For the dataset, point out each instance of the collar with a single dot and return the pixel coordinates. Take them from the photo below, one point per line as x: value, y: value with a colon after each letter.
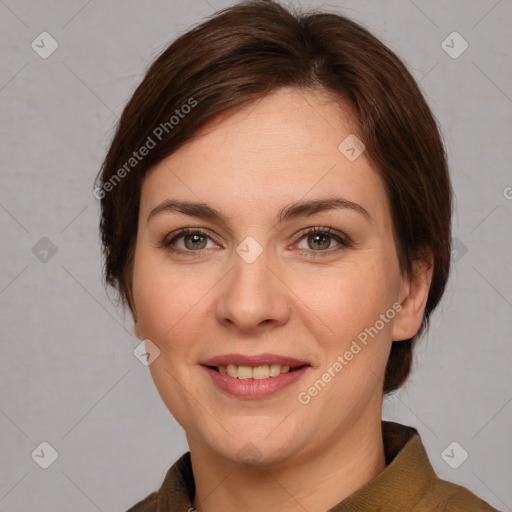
x: 408, y: 471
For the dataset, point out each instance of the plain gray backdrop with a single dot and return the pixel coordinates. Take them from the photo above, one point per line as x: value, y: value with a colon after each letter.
x: 68, y: 373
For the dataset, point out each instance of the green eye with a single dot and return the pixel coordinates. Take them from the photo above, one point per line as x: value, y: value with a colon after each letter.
x: 318, y: 241
x: 193, y: 240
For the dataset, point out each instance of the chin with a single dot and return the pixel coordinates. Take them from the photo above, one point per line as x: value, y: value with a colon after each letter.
x: 257, y: 445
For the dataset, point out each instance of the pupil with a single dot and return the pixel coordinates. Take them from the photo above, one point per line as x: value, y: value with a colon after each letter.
x: 194, y: 241
x: 317, y: 240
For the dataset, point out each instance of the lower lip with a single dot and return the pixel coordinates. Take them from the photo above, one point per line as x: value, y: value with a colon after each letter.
x: 254, y: 388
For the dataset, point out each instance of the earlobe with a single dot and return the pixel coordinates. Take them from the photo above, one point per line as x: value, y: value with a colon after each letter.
x: 137, y: 329
x: 414, y: 295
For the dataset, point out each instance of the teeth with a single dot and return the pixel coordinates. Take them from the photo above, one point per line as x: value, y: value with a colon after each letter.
x: 275, y: 370
x: 244, y: 372
x: 232, y: 370
x: 258, y: 372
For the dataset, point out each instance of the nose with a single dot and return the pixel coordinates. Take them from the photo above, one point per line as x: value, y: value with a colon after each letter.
x: 253, y: 297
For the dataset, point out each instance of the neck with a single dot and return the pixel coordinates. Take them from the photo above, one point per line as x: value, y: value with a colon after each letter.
x: 313, y: 482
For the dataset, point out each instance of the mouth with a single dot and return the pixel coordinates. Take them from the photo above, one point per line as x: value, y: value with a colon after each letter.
x: 254, y: 376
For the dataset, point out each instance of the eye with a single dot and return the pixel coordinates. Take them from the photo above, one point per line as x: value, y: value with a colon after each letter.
x: 318, y: 240
x: 186, y: 240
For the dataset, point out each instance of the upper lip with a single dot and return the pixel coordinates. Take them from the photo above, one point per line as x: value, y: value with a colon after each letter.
x: 254, y: 360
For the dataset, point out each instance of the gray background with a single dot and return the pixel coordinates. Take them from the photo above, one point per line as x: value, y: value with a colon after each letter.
x: 67, y: 369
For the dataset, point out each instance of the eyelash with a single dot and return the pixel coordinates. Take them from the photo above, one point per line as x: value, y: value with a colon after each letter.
x: 168, y: 240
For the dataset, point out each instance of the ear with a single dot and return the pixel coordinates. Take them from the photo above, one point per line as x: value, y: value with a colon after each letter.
x: 413, y: 298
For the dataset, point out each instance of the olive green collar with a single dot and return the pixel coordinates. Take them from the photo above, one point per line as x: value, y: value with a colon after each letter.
x: 402, y: 484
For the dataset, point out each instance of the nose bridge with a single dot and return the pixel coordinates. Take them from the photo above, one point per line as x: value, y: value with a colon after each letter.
x: 252, y: 294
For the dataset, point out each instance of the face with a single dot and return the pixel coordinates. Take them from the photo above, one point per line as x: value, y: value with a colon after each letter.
x: 289, y: 260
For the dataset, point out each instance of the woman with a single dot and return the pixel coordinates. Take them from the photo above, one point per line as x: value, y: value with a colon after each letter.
x: 276, y: 214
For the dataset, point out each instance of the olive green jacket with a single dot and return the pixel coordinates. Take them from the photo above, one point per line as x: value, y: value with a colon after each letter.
x: 408, y: 484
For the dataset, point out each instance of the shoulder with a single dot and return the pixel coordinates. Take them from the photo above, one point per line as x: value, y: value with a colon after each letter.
x: 412, y: 481
x: 443, y: 496
x: 176, y: 491
x: 148, y: 504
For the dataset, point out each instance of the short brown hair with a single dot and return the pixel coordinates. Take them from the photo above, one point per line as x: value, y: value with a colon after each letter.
x: 243, y: 53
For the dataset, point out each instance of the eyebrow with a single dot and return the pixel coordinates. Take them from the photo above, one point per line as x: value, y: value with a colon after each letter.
x: 290, y: 212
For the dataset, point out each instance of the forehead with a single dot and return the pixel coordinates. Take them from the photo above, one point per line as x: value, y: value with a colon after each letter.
x: 281, y: 148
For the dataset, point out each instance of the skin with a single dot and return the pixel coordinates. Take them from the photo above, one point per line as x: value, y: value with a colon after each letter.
x: 198, y: 304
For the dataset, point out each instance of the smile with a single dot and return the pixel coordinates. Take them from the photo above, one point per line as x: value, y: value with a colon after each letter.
x: 259, y: 384
x: 260, y: 372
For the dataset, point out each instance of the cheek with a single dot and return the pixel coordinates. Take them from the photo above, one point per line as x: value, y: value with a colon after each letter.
x: 170, y: 301
x: 169, y: 312
x: 342, y: 302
